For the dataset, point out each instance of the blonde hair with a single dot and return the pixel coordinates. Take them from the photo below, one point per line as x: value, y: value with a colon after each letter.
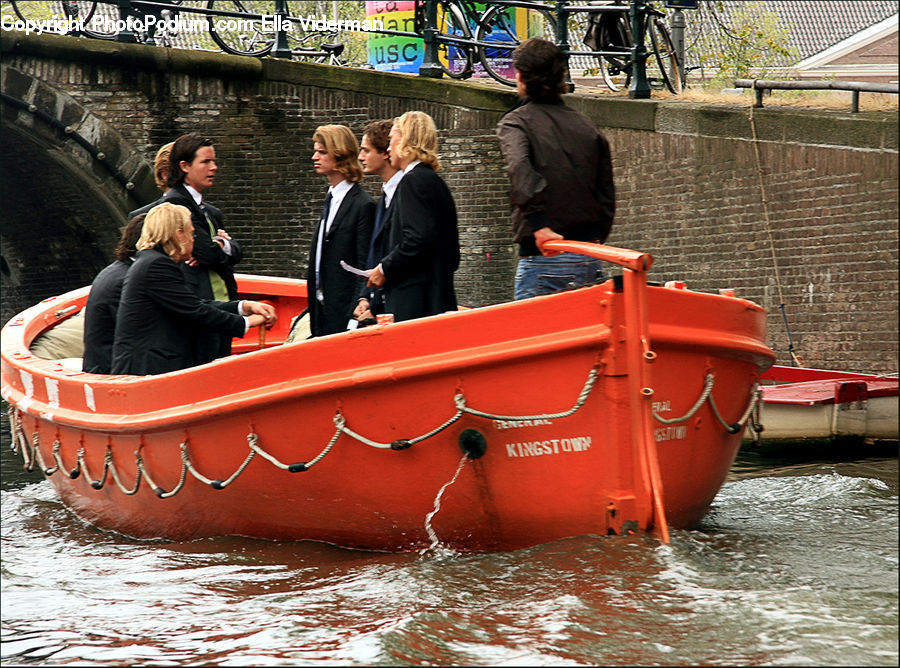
x: 159, y: 229
x: 418, y: 138
x: 161, y: 165
x: 341, y: 144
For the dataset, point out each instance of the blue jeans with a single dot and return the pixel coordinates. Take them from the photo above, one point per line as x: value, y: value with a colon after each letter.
x: 540, y: 275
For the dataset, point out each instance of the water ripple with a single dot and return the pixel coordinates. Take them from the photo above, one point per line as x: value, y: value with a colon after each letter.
x: 786, y: 570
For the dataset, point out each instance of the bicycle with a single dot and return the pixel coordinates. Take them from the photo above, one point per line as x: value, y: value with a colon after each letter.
x: 249, y: 28
x: 498, y: 30
x: 504, y: 24
x: 100, y: 20
x: 453, y: 23
x: 611, y: 32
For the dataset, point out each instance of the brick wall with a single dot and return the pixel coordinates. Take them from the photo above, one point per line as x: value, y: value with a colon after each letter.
x: 687, y: 180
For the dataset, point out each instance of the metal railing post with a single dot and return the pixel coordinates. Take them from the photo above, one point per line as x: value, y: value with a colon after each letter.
x: 640, y: 87
x: 678, y: 25
x: 126, y: 35
x: 562, y: 38
x: 281, y: 48
x: 431, y: 67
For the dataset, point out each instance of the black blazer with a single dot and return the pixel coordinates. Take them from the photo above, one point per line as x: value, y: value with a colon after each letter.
x: 210, y: 256
x: 159, y: 317
x: 144, y: 209
x: 379, y: 241
x: 422, y: 247
x: 100, y: 317
x: 207, y: 252
x: 347, y: 240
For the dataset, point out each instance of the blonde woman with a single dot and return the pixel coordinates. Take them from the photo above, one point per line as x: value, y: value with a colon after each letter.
x: 343, y: 231
x: 421, y: 249
x: 160, y: 318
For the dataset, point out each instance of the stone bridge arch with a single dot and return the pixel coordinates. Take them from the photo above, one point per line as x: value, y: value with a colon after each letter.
x: 66, y: 179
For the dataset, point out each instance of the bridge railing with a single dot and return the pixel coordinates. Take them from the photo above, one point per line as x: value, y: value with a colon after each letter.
x: 637, y: 10
x: 856, y: 87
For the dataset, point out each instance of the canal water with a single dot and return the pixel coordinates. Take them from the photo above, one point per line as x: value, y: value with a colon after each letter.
x: 796, y: 564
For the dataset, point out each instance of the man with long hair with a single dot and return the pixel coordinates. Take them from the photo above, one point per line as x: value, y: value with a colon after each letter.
x: 560, y: 174
x: 422, y: 243
x: 343, y: 231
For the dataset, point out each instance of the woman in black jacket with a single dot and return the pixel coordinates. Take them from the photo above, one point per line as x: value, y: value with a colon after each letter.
x: 159, y: 316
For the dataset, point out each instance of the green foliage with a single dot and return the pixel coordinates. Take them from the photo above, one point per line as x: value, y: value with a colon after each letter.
x: 355, y: 43
x: 748, y: 41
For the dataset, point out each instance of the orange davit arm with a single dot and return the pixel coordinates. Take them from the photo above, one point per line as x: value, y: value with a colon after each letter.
x: 637, y: 342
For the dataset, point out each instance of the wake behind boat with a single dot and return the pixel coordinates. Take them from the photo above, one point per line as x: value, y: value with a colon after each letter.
x: 604, y: 410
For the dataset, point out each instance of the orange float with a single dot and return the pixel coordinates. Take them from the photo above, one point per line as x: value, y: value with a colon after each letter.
x: 604, y: 410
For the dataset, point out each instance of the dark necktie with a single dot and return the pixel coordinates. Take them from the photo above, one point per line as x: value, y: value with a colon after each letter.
x: 216, y: 282
x: 320, y: 295
x: 326, y: 210
x: 379, y: 222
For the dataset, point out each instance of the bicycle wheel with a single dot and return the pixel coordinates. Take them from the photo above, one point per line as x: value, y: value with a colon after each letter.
x: 27, y: 10
x: 456, y: 59
x: 615, y: 36
x: 505, y: 28
x: 247, y: 35
x: 102, y: 20
x: 665, y: 62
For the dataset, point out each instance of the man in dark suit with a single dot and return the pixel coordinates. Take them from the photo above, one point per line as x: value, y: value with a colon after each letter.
x: 209, y: 271
x: 416, y: 273
x: 159, y: 316
x: 374, y: 155
x: 103, y: 302
x: 343, y: 232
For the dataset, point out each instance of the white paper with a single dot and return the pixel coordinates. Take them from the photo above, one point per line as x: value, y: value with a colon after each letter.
x: 354, y: 270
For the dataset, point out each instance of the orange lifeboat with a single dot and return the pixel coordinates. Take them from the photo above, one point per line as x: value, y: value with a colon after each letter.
x: 604, y: 410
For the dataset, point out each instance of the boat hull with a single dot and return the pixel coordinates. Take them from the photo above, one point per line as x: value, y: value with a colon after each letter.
x: 485, y: 429
x: 810, y: 406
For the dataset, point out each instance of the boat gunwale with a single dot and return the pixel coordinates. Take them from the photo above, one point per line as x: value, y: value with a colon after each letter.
x: 596, y: 335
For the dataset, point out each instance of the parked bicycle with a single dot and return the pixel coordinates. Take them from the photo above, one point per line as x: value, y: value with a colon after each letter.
x: 100, y: 20
x: 476, y: 37
x: 472, y: 40
x: 611, y: 32
x: 240, y: 27
x: 254, y: 30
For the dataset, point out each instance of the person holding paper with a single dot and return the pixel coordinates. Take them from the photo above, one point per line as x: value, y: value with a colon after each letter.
x: 422, y: 235
x: 343, y: 232
x: 374, y: 154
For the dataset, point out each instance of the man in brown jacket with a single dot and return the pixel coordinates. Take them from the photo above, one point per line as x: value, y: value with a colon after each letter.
x: 560, y: 174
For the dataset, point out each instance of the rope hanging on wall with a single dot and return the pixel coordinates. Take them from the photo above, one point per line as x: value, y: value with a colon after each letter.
x: 795, y: 359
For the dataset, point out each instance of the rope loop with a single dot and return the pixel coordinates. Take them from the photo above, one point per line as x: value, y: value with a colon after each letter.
x: 115, y: 475
x: 707, y: 392
x: 50, y: 471
x: 31, y: 453
x: 706, y: 395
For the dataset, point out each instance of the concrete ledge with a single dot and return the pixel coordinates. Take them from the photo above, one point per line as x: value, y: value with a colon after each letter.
x: 472, y: 95
x: 136, y: 56
x: 618, y: 112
